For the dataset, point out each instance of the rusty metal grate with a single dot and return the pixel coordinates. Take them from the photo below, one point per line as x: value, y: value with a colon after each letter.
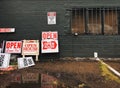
x: 94, y: 21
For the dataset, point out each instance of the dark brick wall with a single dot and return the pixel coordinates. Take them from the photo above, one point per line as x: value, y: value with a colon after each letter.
x: 29, y: 17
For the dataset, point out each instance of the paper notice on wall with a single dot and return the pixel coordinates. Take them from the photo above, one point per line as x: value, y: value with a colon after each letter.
x: 4, y: 60
x: 13, y: 46
x: 51, y: 16
x: 25, y: 62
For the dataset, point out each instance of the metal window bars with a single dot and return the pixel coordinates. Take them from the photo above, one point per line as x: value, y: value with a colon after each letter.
x: 95, y: 20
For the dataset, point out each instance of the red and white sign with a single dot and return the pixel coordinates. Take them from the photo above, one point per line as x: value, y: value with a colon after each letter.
x: 49, y: 46
x: 51, y: 18
x: 13, y: 46
x: 30, y: 47
x: 50, y: 35
x: 4, y: 30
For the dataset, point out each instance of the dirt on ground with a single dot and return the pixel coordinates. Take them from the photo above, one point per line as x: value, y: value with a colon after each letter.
x: 70, y: 73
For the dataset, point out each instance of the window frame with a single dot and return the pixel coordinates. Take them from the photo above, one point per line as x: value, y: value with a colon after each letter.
x: 102, y: 10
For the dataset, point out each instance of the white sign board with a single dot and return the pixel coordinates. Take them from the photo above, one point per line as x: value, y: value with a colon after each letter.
x: 51, y: 16
x: 49, y: 46
x: 13, y: 46
x: 4, y: 30
x: 30, y: 77
x: 49, y: 42
x: 25, y: 62
x: 30, y: 47
x: 4, y: 60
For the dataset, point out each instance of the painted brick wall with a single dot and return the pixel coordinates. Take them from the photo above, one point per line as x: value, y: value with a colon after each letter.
x: 29, y: 17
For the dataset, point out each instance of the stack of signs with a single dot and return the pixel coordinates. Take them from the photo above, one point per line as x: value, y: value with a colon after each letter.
x: 30, y: 77
x: 25, y: 62
x: 4, y: 60
x: 48, y: 81
x: 49, y: 43
x: 13, y: 46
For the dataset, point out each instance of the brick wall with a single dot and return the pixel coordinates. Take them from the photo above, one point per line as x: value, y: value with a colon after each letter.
x: 29, y: 17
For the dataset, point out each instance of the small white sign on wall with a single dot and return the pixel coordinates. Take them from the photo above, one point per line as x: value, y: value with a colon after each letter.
x: 51, y: 17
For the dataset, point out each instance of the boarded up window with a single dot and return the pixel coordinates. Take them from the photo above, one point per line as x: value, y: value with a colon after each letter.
x: 94, y: 20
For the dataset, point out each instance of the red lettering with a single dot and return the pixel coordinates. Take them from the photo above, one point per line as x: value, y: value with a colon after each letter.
x: 44, y: 36
x: 49, y: 35
x: 13, y: 44
x: 19, y: 45
x: 49, y: 45
x: 55, y: 36
x: 45, y: 45
x: 7, y: 45
x: 53, y: 44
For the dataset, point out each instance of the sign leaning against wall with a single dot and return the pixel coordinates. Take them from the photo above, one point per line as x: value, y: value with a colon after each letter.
x: 4, y: 60
x: 49, y: 42
x: 13, y: 46
x: 30, y: 47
